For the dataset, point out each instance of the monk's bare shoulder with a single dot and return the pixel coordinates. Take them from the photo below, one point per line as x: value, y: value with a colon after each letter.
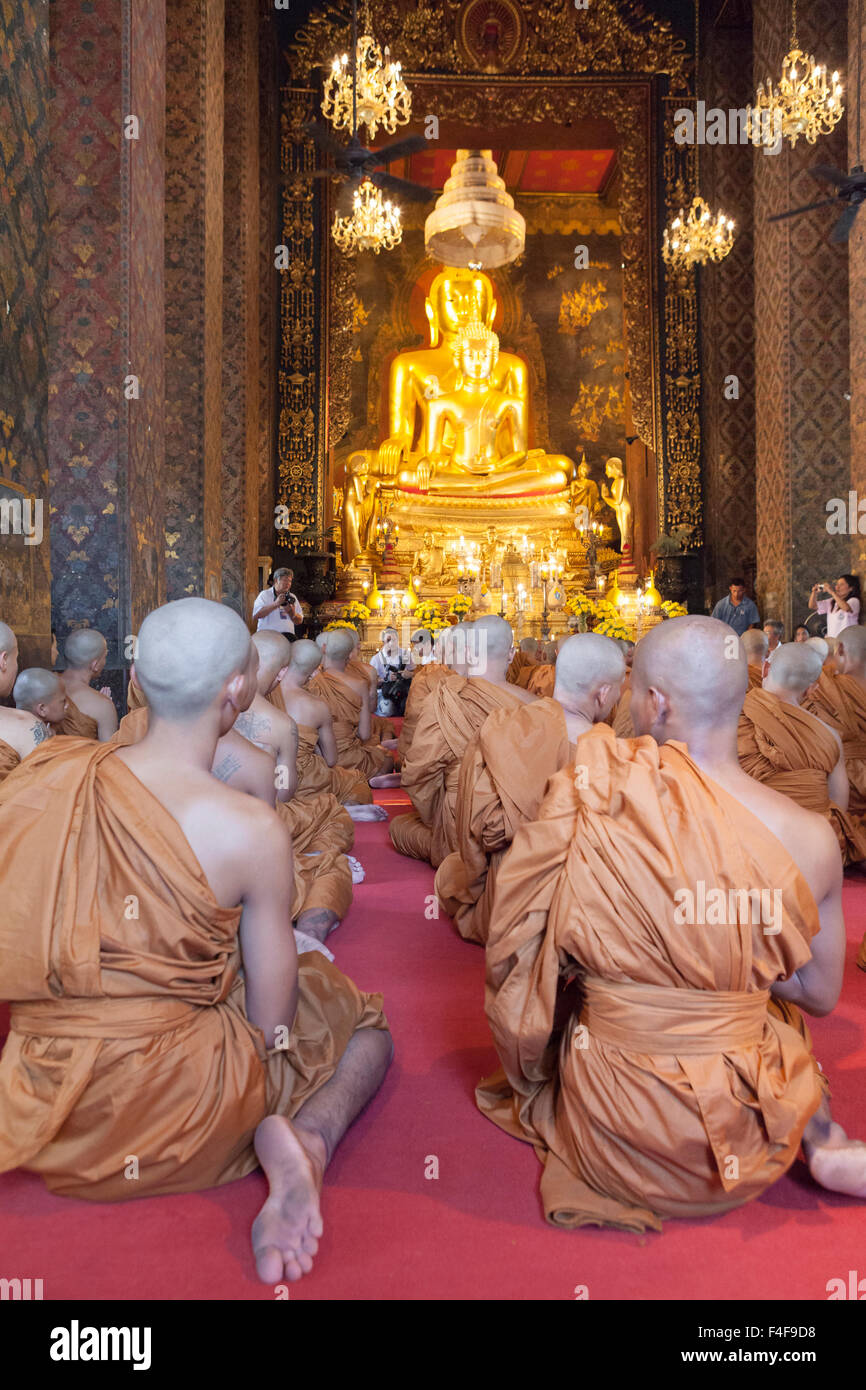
x: 22, y: 730
x: 807, y: 836
x: 245, y: 766
x: 829, y: 729
x: 91, y: 701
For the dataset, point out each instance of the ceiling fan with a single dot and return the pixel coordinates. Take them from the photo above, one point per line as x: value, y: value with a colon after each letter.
x: 851, y: 187
x: 354, y: 162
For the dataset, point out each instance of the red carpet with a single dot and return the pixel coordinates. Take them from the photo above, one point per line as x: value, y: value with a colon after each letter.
x: 476, y: 1232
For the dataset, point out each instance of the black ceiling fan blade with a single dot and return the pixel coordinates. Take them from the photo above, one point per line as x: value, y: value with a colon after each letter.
x: 401, y: 188
x: 401, y: 149
x: 827, y: 172
x: 323, y: 136
x: 842, y: 229
x: 795, y: 212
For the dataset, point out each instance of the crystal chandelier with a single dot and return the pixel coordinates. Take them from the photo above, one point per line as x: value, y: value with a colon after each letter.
x: 696, y: 237
x: 373, y: 226
x: 383, y: 99
x: 805, y: 101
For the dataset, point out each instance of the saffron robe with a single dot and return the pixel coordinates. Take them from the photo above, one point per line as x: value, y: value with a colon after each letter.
x: 449, y: 720
x: 77, y: 724
x: 423, y: 681
x: 128, y: 1032
x: 623, y: 725
x: 9, y: 759
x: 518, y: 662
x: 345, y: 706
x: 135, y: 696
x: 674, y: 1062
x: 841, y: 702
x: 525, y: 674
x: 756, y: 677
x: 542, y: 681
x: 503, y: 778
x: 314, y: 775
x: 792, y: 751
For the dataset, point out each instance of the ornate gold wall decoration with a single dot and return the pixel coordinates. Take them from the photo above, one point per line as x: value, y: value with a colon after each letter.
x: 578, y: 308
x: 491, y: 34
x: 341, y: 329
x: 594, y: 404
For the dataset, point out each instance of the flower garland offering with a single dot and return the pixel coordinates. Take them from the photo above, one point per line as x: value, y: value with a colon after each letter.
x: 674, y: 610
x: 338, y: 622
x: 460, y: 605
x: 356, y: 612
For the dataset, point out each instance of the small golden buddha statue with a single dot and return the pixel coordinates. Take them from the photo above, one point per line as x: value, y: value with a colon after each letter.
x: 585, y: 497
x: 429, y: 562
x: 458, y: 414
x: 618, y: 499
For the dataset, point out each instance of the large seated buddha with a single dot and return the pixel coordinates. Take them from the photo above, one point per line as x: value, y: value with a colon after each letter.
x: 458, y: 419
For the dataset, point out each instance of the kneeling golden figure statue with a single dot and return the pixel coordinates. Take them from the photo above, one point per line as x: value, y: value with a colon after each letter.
x: 458, y: 418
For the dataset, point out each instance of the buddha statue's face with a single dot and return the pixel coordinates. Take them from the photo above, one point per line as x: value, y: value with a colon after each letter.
x: 583, y: 470
x: 478, y: 358
x: 457, y: 297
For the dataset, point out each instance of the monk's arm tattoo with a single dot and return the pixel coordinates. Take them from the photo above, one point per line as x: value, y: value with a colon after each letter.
x: 40, y: 733
x: 226, y: 768
x: 253, y: 726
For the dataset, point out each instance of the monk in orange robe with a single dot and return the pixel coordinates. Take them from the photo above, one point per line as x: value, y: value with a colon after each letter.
x: 383, y: 729
x: 450, y: 718
x: 157, y: 883
x: 664, y: 886
x: 525, y: 658
x: 793, y: 751
x: 91, y: 714
x: 506, y: 769
x: 542, y: 680
x: 429, y: 670
x: 755, y: 643
x: 347, y: 698
x: 134, y: 696
x: 21, y: 731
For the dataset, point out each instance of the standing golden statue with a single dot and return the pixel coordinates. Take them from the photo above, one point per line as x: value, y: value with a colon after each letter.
x: 618, y: 499
x: 458, y: 415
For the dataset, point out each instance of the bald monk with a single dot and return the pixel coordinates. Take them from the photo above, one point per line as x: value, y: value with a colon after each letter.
x: 90, y: 714
x: 215, y: 1073
x: 431, y: 666
x: 21, y: 731
x: 755, y: 643
x: 525, y: 658
x: 450, y: 718
x: 542, y: 680
x: 840, y: 700
x: 795, y: 752
x: 506, y: 769
x: 383, y: 729
x: 674, y: 1063
x: 318, y: 770
x: 347, y: 698
x: 40, y: 693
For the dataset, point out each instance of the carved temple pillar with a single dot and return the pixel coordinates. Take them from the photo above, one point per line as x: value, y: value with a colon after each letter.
x: 195, y: 34
x: 856, y: 67
x: 801, y: 313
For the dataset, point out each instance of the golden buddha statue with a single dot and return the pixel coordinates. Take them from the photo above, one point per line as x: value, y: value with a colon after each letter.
x: 618, y: 499
x: 584, y: 495
x: 458, y: 417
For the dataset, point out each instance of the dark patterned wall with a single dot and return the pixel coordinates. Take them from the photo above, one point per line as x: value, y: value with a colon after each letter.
x: 801, y: 302
x: 240, y: 309
x: 193, y: 296
x: 24, y: 149
x: 268, y: 160
x: 857, y: 273
x: 728, y: 325
x: 87, y: 444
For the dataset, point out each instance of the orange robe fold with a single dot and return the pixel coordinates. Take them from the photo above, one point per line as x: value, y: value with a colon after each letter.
x: 792, y: 751
x: 525, y: 674
x: 128, y: 1032
x: 345, y: 706
x: 423, y: 681
x: 756, y: 677
x: 841, y: 702
x: 503, y: 777
x: 621, y: 720
x: 314, y: 775
x: 135, y: 696
x: 542, y: 681
x: 674, y: 1063
x: 450, y: 718
x: 516, y: 665
x: 76, y: 724
x: 9, y: 760
x: 382, y: 726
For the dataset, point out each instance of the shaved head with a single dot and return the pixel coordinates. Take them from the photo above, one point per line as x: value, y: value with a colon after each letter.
x: 852, y: 641
x: 8, y: 640
x: 551, y: 651
x: 36, y: 686
x: 818, y: 645
x: 274, y: 653
x: 187, y: 652
x: 497, y: 635
x: 84, y: 646
x: 529, y: 645
x: 689, y: 674
x: 755, y: 645
x: 339, y: 643
x: 795, y: 666
x: 589, y: 665
x: 8, y: 658
x: 306, y: 656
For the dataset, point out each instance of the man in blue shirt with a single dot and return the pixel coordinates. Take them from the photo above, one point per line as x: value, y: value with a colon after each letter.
x: 738, y: 611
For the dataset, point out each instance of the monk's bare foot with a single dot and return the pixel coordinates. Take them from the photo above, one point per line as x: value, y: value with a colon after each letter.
x: 359, y: 873
x: 387, y: 779
x: 837, y: 1162
x: 286, y: 1231
x: 367, y: 812
x: 318, y: 922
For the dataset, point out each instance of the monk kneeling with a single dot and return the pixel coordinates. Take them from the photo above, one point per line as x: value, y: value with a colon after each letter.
x: 678, y: 894
x: 21, y: 731
x: 90, y: 714
x: 131, y: 988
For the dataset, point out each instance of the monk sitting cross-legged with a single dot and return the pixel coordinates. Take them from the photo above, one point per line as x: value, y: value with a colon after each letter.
x: 347, y: 697
x: 318, y: 769
x: 450, y: 718
x: 793, y: 751
x: 90, y: 714
x: 506, y: 769
x: 525, y: 659
x: 429, y: 667
x: 131, y: 1029
x: 681, y: 894
x: 755, y: 643
x: 21, y: 731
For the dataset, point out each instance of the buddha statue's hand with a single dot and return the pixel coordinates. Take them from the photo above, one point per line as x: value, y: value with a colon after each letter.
x: 390, y: 456
x: 422, y: 475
